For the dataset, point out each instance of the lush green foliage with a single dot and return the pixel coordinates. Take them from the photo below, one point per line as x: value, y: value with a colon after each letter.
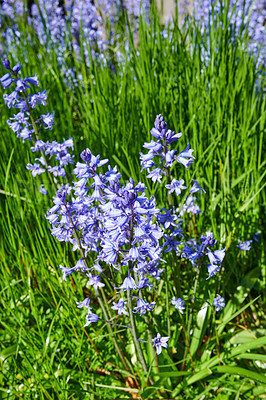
x: 45, y: 351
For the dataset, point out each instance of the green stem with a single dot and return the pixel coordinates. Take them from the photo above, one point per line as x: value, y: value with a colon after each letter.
x: 99, y: 297
x: 192, y: 311
x: 135, y: 335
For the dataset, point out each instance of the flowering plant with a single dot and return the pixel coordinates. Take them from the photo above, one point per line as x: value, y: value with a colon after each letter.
x: 135, y: 246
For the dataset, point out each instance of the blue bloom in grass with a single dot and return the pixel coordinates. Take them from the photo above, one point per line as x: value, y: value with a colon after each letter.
x: 216, y: 256
x: 179, y: 304
x: 196, y: 187
x: 213, y: 269
x: 66, y: 271
x: 156, y: 175
x: 6, y: 81
x: 42, y: 190
x: 245, y: 246
x: 186, y: 157
x: 176, y: 186
x: 143, y: 306
x: 120, y: 307
x: 84, y: 303
x: 48, y: 120
x: 160, y: 342
x: 6, y: 63
x: 128, y: 283
x: 218, y: 302
x: 189, y: 206
x: 94, y: 280
x: 91, y: 318
x: 35, y: 169
x: 208, y: 240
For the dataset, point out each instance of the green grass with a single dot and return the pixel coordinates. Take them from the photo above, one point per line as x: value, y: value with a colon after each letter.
x: 45, y: 352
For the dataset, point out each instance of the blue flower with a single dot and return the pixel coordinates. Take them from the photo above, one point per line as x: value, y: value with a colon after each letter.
x: 245, y: 246
x: 48, y: 120
x: 143, y: 306
x: 35, y: 169
x: 95, y: 281
x: 196, y: 187
x: 120, y: 307
x: 6, y: 63
x: 213, y: 269
x: 179, y: 304
x: 42, y: 190
x: 84, y: 303
x: 160, y: 342
x: 90, y: 317
x: 128, y: 283
x: 218, y: 302
x: 176, y: 186
x: 6, y: 80
x: 186, y: 157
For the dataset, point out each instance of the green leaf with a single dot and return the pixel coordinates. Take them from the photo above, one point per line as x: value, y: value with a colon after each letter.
x: 200, y: 328
x: 246, y: 373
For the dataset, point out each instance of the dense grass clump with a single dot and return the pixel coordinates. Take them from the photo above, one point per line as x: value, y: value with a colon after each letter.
x: 210, y: 88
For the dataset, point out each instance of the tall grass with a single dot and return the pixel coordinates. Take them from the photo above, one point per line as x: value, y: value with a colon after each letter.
x: 45, y: 351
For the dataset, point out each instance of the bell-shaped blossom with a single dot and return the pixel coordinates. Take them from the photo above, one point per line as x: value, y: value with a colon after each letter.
x: 176, y: 186
x: 143, y: 306
x: 159, y: 342
x: 120, y: 307
x: 178, y: 304
x: 218, y: 302
x: 245, y: 246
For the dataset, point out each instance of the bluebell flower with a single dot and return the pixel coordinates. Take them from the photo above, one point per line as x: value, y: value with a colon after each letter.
x: 90, y: 317
x: 11, y: 99
x: 218, y: 302
x: 48, y: 120
x: 6, y: 63
x: 196, y: 187
x: 176, y: 186
x: 66, y: 271
x: 156, y: 175
x: 143, y: 306
x: 167, y: 219
x: 153, y: 146
x: 84, y: 303
x: 186, y: 157
x: 120, y: 306
x: 245, y: 246
x: 213, y: 269
x: 35, y: 169
x: 160, y: 342
x: 38, y: 98
x: 144, y: 283
x: 42, y: 190
x: 190, y: 205
x: 216, y: 256
x: 128, y: 283
x: 6, y: 81
x: 208, y: 240
x: 179, y: 304
x: 95, y: 281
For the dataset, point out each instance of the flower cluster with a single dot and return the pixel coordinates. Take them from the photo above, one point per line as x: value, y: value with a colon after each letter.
x: 24, y: 125
x: 117, y: 223
x: 243, y: 16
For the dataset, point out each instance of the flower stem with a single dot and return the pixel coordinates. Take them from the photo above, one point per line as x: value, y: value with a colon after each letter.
x: 135, y: 335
